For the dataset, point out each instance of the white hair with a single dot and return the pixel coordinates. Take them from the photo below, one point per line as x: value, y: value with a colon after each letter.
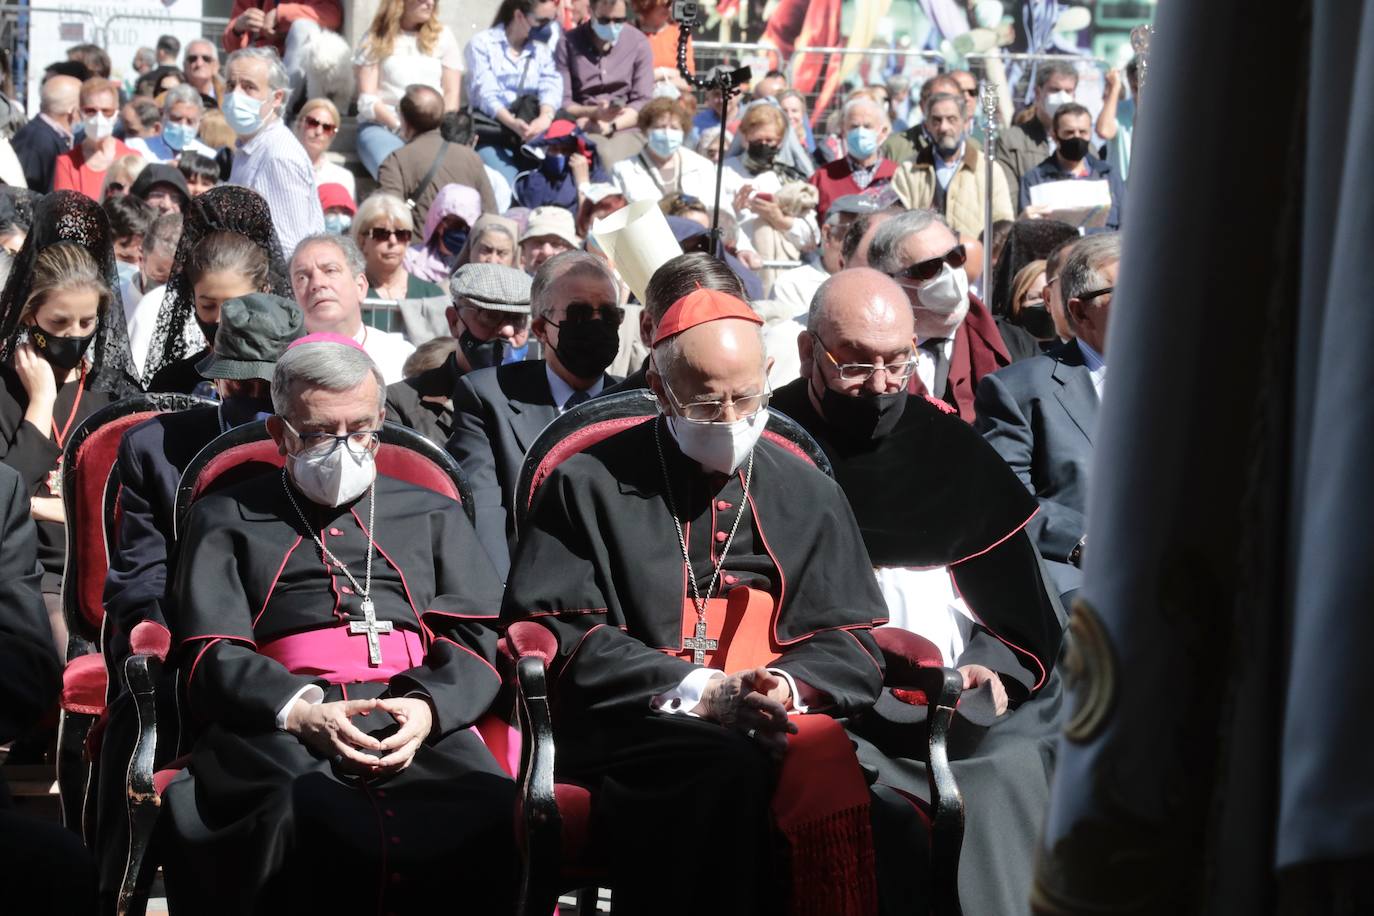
x: 276, y: 72
x: 1082, y: 272
x: 854, y: 103
x: 885, y: 251
x: 184, y: 94
x: 323, y: 364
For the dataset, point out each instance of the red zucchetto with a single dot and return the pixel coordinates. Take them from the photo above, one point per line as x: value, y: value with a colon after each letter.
x: 700, y: 306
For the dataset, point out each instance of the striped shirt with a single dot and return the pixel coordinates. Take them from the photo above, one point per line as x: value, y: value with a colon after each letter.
x: 274, y: 164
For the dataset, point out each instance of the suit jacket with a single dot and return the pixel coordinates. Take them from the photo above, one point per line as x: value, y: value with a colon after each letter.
x: 402, y: 172
x: 1040, y: 415
x: 33, y: 676
x: 38, y: 145
x: 497, y: 415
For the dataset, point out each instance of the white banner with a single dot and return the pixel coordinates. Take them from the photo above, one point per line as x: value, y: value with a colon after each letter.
x: 121, y: 28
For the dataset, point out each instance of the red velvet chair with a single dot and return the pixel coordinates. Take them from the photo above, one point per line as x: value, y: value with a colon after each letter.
x: 554, y: 840
x: 90, y: 496
x: 238, y: 455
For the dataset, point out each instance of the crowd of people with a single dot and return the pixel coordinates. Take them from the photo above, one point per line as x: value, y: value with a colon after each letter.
x: 199, y: 230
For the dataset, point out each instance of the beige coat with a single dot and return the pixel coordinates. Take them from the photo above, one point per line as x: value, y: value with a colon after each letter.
x: 915, y: 185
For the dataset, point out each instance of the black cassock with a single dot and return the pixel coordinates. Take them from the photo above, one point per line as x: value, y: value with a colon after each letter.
x: 260, y: 822
x: 933, y: 493
x: 600, y: 565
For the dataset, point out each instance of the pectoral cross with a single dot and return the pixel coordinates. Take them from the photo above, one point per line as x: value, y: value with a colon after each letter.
x: 371, y: 626
x: 699, y: 644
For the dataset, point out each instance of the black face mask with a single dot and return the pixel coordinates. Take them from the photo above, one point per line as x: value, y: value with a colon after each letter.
x: 868, y: 416
x: 1037, y: 321
x: 761, y: 155
x: 239, y: 409
x: 586, y: 348
x: 482, y: 354
x: 1074, y: 148
x: 208, y: 328
x: 63, y: 352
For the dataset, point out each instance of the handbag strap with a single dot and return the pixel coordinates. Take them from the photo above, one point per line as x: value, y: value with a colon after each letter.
x: 429, y: 176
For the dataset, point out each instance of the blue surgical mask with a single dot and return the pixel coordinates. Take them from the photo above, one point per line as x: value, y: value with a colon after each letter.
x: 554, y: 164
x: 455, y: 239
x: 543, y: 32
x: 664, y: 141
x: 862, y: 142
x: 243, y: 113
x: 337, y: 223
x: 609, y: 32
x: 177, y: 135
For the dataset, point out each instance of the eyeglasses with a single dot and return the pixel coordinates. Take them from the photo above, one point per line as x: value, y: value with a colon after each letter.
x: 199, y: 59
x: 580, y: 313
x: 382, y: 234
x: 712, y: 411
x: 492, y: 319
x: 318, y: 445
x: 1090, y: 296
x: 897, y: 372
x: 607, y: 20
x: 925, y: 270
x: 315, y: 124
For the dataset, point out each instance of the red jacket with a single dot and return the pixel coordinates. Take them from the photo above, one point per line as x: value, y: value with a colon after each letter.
x: 328, y: 13
x: 836, y: 179
x: 978, y: 351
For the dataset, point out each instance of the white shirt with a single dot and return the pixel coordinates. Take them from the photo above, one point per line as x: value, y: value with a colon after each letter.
x: 924, y: 602
x: 387, y: 349
x: 798, y: 286
x: 639, y: 179
x: 407, y: 65
x: 142, y: 322
x: 155, y: 149
x: 562, y: 390
x: 804, y: 233
x: 274, y: 164
x: 925, y: 365
x: 500, y: 188
x: 1097, y: 366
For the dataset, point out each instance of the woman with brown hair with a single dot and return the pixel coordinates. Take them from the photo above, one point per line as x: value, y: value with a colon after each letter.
x: 406, y: 45
x: 63, y: 356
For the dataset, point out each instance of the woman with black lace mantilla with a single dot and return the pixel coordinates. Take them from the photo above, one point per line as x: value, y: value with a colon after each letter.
x: 228, y: 249
x: 64, y: 354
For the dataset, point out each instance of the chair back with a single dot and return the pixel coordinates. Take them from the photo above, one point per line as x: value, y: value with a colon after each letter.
x: 90, y: 495
x: 247, y: 451
x: 600, y: 418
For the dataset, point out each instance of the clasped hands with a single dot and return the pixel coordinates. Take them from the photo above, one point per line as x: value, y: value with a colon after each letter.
x: 326, y: 728
x: 754, y: 702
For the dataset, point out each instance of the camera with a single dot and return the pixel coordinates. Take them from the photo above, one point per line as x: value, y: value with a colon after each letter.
x: 686, y: 11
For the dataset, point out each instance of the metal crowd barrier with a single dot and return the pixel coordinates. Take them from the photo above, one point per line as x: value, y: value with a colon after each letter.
x: 382, y: 314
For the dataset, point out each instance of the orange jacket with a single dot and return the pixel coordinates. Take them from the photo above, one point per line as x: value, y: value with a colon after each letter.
x: 328, y: 13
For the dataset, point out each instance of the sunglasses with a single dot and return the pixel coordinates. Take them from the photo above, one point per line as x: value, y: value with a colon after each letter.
x: 1090, y: 296
x: 325, y: 126
x: 199, y: 58
x: 581, y: 312
x: 382, y: 234
x: 928, y: 269
x: 609, y: 20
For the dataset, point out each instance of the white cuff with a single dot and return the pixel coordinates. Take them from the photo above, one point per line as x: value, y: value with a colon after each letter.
x: 686, y: 696
x: 797, y: 705
x: 311, y: 693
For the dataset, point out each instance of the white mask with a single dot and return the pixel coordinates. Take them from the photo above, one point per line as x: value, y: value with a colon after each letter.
x: 943, y: 303
x: 1055, y: 100
x: 720, y: 447
x: 98, y: 126
x: 333, y: 479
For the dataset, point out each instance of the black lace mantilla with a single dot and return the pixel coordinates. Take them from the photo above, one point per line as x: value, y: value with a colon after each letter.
x: 66, y: 216
x: 227, y: 208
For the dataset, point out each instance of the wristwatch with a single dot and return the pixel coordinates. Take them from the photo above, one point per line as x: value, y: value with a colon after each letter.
x: 1076, y: 555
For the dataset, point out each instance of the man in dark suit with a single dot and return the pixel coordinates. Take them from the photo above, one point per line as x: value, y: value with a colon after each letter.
x: 1041, y: 414
x: 500, y: 411
x: 44, y: 867
x: 403, y: 173
x: 253, y: 332
x: 39, y: 142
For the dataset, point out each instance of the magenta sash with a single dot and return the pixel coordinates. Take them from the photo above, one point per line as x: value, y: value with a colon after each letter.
x: 341, y: 658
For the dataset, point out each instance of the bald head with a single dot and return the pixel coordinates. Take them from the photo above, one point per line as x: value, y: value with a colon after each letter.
x: 857, y: 316
x: 60, y: 96
x: 422, y: 109
x: 717, y: 361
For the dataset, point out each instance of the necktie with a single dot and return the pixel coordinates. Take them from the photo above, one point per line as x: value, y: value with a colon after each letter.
x: 577, y: 397
x: 935, y: 346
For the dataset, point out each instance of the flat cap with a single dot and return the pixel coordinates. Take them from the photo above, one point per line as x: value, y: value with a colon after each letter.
x: 492, y: 286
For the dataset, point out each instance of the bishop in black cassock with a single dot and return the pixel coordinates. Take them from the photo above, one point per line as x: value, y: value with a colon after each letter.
x: 677, y: 792
x: 944, y: 522
x: 265, y: 821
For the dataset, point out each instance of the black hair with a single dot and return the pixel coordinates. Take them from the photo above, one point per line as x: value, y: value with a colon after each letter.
x: 1046, y: 71
x: 506, y: 12
x: 678, y: 276
x: 1072, y: 109
x: 168, y: 44
x: 198, y: 165
x: 68, y: 68
x: 128, y: 216
x: 456, y: 127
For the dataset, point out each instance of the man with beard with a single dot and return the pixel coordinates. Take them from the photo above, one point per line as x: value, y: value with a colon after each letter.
x: 490, y: 310
x: 253, y: 331
x: 944, y: 522
x: 499, y: 411
x: 957, y: 339
x: 1070, y: 161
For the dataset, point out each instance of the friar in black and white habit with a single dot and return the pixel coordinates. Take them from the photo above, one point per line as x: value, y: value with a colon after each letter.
x: 338, y: 627
x: 943, y: 520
